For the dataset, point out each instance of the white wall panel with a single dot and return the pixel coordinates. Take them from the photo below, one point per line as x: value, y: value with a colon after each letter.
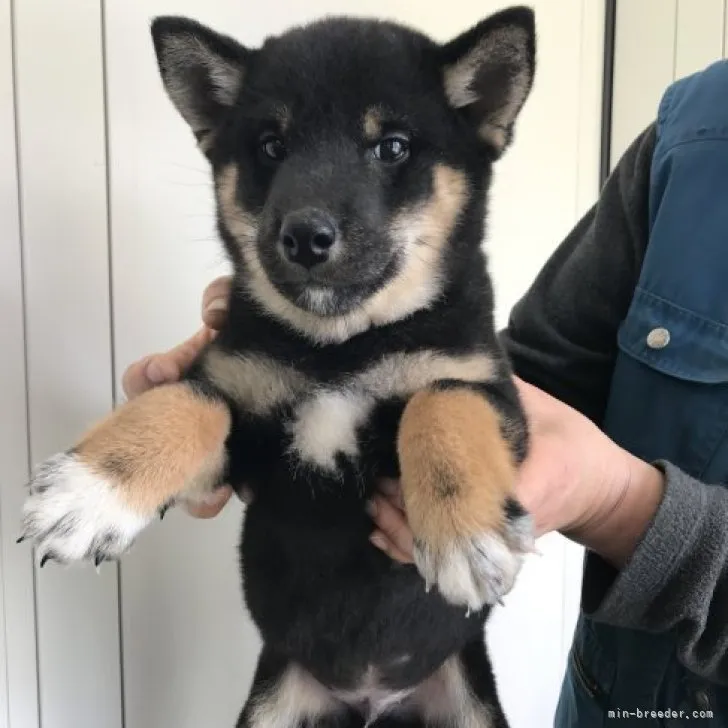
x: 60, y: 108
x: 657, y: 42
x: 189, y: 650
x: 699, y: 40
x: 18, y: 682
x: 643, y: 66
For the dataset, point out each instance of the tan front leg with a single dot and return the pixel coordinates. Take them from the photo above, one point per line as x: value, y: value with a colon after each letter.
x: 458, y: 477
x: 92, y: 501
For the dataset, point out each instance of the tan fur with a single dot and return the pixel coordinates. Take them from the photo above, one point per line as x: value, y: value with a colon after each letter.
x: 372, y: 124
x: 206, y: 142
x: 242, y: 225
x: 256, y: 383
x: 165, y: 443
x: 457, y: 470
x: 403, y: 374
x: 422, y: 233
x: 445, y: 698
x: 294, y: 699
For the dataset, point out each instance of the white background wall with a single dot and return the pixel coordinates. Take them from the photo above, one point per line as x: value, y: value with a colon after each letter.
x: 658, y: 41
x: 106, y: 242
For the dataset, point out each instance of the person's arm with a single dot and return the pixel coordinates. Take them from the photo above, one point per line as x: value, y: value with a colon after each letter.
x: 660, y: 562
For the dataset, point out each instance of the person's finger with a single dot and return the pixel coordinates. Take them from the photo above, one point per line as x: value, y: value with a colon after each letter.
x: 211, y: 505
x: 163, y: 368
x: 385, y: 545
x: 392, y: 490
x: 215, y: 302
x: 392, y: 523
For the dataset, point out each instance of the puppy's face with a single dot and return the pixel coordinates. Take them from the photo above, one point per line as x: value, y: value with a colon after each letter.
x: 347, y: 152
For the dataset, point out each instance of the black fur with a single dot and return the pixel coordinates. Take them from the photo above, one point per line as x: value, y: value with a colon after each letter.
x: 321, y: 595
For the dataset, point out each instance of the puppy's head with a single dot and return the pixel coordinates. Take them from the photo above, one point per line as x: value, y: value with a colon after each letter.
x: 350, y: 157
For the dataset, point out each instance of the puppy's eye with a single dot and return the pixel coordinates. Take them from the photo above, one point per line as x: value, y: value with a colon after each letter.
x: 273, y: 148
x: 392, y: 149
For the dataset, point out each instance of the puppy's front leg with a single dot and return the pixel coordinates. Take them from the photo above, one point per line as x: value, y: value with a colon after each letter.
x: 458, y: 456
x: 92, y: 501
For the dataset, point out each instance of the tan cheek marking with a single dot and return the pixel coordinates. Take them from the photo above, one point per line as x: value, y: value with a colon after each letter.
x: 372, y: 124
x: 167, y: 442
x: 457, y: 469
x: 242, y: 225
x: 424, y: 232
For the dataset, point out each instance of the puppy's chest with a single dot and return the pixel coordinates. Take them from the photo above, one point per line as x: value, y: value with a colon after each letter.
x: 345, y: 417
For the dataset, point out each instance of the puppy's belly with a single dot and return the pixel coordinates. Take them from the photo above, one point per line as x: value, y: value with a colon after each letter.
x: 344, y: 611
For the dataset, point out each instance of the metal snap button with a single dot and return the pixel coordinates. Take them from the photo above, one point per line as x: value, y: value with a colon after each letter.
x: 658, y: 338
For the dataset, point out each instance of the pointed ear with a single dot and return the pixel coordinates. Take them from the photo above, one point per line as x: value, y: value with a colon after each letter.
x: 488, y: 72
x: 202, y: 70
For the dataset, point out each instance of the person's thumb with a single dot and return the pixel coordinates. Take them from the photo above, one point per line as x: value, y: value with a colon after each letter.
x: 164, y: 368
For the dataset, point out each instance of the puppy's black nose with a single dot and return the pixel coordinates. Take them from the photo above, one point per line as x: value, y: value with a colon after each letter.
x: 307, y: 237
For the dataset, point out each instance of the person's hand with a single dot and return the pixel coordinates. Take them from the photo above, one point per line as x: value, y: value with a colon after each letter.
x: 168, y: 367
x: 575, y: 480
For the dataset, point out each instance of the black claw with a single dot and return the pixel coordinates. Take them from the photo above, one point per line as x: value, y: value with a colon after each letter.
x: 44, y: 560
x: 21, y: 539
x: 163, y: 511
x: 98, y: 559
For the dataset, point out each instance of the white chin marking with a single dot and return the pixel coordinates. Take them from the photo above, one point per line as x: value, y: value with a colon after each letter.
x: 477, y: 571
x: 74, y: 514
x: 319, y: 300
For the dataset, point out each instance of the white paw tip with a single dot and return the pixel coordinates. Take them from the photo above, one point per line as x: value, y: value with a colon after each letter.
x: 474, y: 573
x: 73, y: 514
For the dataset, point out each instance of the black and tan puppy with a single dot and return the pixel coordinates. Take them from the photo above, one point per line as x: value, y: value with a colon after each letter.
x: 351, y: 161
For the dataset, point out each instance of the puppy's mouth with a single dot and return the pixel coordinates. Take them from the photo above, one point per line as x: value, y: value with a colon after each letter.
x: 328, y: 300
x: 333, y: 288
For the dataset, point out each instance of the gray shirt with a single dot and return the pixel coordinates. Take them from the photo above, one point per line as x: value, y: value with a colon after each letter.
x: 562, y: 337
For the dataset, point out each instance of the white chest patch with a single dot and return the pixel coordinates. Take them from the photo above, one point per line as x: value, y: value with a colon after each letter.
x: 326, y: 422
x: 326, y: 419
x: 326, y: 425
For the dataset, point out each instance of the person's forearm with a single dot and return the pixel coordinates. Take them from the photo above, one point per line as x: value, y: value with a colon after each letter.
x: 616, y: 536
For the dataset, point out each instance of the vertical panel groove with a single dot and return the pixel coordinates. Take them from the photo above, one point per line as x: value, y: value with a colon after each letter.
x: 24, y: 325
x: 64, y: 222
x: 674, y: 40
x: 112, y: 336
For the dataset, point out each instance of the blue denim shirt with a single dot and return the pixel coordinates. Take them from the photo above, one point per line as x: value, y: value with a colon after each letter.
x: 666, y: 401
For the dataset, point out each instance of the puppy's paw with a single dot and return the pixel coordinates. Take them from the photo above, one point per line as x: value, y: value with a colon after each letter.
x: 458, y: 474
x: 75, y: 514
x: 477, y: 570
x: 165, y: 446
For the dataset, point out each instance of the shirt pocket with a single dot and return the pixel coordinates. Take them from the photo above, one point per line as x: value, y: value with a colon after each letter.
x: 669, y: 395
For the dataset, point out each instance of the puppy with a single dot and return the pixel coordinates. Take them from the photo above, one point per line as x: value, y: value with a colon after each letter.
x: 351, y: 162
